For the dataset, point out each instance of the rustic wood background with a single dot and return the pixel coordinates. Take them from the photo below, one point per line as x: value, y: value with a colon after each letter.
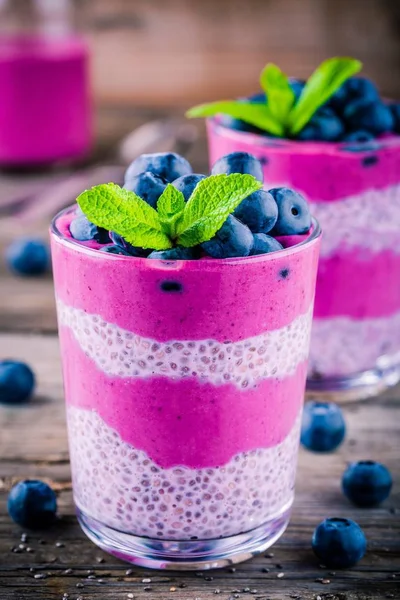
x: 151, y: 59
x: 179, y: 52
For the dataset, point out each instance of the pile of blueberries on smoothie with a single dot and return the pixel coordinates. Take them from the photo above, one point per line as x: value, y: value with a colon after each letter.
x: 255, y: 227
x: 355, y: 113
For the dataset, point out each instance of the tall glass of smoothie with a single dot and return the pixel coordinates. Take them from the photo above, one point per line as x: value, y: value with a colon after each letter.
x: 346, y: 162
x: 184, y: 384
x: 354, y: 191
x: 45, y: 107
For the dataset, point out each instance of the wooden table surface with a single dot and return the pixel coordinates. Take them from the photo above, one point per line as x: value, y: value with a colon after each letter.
x: 63, y: 563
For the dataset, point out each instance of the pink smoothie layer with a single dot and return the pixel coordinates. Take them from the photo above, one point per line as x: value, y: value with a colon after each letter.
x: 366, y: 285
x: 44, y: 100
x: 184, y: 421
x: 322, y: 171
x: 225, y: 300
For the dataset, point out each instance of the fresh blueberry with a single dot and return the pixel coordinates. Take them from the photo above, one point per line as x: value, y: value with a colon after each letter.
x: 187, y: 183
x: 293, y: 212
x: 355, y: 88
x: 258, y: 98
x: 395, y: 110
x: 238, y: 124
x: 369, y: 161
x: 118, y: 240
x: 233, y: 239
x: 114, y: 249
x: 361, y: 87
x: 297, y: 86
x: 171, y: 286
x: 375, y: 117
x: 177, y: 253
x: 17, y: 382
x: 83, y: 230
x: 239, y: 162
x: 323, y: 427
x: 325, y: 126
x: 264, y: 243
x: 360, y: 135
x: 32, y: 504
x: 28, y: 257
x: 148, y: 186
x: 367, y: 483
x: 339, y: 543
x: 258, y: 211
x: 167, y: 165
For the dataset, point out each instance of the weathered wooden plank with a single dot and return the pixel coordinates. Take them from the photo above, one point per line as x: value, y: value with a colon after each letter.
x: 178, y: 52
x: 33, y: 444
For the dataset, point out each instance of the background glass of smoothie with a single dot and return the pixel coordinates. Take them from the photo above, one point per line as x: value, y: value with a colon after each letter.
x: 184, y: 384
x: 45, y: 108
x: 354, y: 191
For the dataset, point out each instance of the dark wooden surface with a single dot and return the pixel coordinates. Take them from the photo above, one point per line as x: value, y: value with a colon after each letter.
x: 33, y: 444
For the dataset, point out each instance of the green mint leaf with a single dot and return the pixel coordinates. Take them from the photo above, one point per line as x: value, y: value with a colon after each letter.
x: 171, y: 202
x: 258, y: 115
x: 122, y: 211
x: 320, y: 86
x: 170, y: 207
x: 278, y: 91
x: 212, y: 201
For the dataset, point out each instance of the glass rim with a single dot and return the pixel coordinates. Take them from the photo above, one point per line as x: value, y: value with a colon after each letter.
x: 203, y: 263
x: 277, y: 143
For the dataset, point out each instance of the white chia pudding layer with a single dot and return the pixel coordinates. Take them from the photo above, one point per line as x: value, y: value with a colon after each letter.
x: 123, y: 488
x: 344, y: 346
x: 121, y: 353
x: 355, y: 222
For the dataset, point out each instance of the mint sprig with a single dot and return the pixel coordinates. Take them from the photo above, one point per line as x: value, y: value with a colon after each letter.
x: 320, y: 86
x: 212, y: 201
x: 277, y: 89
x: 174, y: 222
x: 117, y: 209
x: 281, y: 115
x: 170, y: 207
x: 258, y: 115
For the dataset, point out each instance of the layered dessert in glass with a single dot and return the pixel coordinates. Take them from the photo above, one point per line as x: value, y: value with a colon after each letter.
x: 346, y: 162
x: 184, y: 379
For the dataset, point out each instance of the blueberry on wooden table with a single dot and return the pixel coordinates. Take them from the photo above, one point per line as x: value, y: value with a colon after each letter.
x: 17, y: 382
x: 323, y: 427
x: 32, y: 504
x: 367, y: 483
x: 28, y: 257
x: 339, y: 543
